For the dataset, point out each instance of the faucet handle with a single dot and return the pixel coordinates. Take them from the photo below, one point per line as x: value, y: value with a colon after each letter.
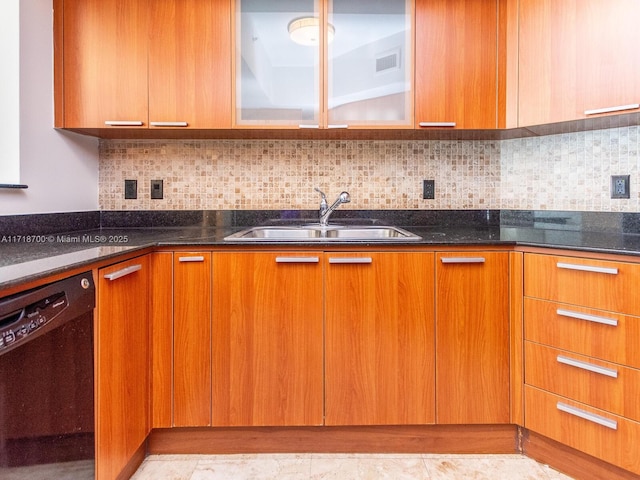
x: 323, y: 202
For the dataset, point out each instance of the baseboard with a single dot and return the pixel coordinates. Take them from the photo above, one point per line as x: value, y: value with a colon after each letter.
x: 366, y: 439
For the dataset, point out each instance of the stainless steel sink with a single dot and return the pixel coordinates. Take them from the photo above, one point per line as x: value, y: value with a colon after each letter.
x: 317, y: 232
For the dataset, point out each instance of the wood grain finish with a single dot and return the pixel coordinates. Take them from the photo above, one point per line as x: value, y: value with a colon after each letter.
x: 105, y: 62
x: 619, y: 447
x: 192, y: 339
x: 617, y: 344
x: 546, y: 280
x: 456, y: 62
x: 516, y: 337
x: 576, y: 55
x: 379, y: 340
x: 122, y: 367
x: 161, y: 339
x: 190, y: 63
x: 267, y: 340
x: 472, y: 339
x: 619, y: 395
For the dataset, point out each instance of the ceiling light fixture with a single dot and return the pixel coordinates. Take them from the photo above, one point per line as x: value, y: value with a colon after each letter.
x: 306, y: 31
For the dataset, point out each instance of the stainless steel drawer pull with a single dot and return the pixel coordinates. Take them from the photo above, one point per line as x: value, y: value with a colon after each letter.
x: 589, y: 318
x: 169, y: 124
x: 351, y: 260
x: 592, y: 417
x: 191, y: 259
x: 338, y: 125
x: 123, y: 123
x: 588, y: 268
x: 463, y: 259
x: 437, y: 124
x: 619, y: 108
x: 303, y: 125
x: 123, y: 272
x: 297, y: 259
x: 587, y: 366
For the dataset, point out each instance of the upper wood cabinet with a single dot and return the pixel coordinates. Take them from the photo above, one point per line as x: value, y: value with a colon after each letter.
x: 144, y: 64
x: 355, y: 70
x: 577, y: 57
x: 472, y: 337
x: 122, y: 364
x: 456, y: 64
x: 379, y: 339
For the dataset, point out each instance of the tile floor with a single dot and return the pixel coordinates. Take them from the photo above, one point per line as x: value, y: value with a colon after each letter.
x: 344, y: 467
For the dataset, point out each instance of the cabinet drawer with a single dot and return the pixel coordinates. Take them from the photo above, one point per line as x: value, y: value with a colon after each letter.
x: 591, y: 283
x: 608, y: 386
x: 616, y: 443
x: 605, y: 335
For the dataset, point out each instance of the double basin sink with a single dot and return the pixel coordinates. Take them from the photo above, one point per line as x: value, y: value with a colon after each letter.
x: 323, y: 233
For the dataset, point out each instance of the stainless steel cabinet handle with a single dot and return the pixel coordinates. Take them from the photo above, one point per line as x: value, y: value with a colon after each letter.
x: 588, y: 268
x: 198, y: 258
x: 462, y: 259
x: 437, y: 124
x: 297, y: 259
x: 350, y: 260
x: 592, y: 417
x: 338, y: 125
x: 123, y: 123
x: 123, y: 272
x: 589, y: 318
x: 302, y: 125
x: 168, y: 124
x: 609, y: 372
x: 618, y: 108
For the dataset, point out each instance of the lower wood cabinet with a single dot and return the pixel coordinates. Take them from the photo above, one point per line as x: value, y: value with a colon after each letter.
x: 122, y: 364
x: 267, y: 339
x: 472, y: 337
x: 379, y: 339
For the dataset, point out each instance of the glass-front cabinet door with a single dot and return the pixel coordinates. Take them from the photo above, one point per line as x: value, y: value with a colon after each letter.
x: 370, y: 63
x: 277, y: 78
x: 323, y: 63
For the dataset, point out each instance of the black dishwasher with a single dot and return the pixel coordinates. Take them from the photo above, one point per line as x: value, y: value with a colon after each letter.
x: 46, y: 381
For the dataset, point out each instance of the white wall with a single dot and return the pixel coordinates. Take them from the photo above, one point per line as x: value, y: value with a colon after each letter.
x: 60, y: 168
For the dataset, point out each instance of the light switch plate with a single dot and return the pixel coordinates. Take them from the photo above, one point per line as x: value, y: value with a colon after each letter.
x: 130, y: 189
x: 156, y: 189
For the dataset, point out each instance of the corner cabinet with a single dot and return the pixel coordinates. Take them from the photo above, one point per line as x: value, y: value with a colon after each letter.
x: 324, y: 64
x: 379, y: 339
x: 456, y: 64
x: 143, y: 64
x: 122, y: 365
x: 472, y: 338
x: 267, y: 339
x: 578, y: 59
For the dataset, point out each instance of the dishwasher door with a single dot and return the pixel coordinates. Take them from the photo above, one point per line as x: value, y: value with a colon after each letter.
x: 46, y: 381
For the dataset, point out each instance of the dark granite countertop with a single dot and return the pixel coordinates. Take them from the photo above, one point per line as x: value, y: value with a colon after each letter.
x: 30, y: 256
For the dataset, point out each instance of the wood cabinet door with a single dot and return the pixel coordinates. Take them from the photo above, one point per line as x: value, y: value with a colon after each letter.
x: 379, y: 339
x: 122, y: 364
x: 105, y: 62
x: 190, y: 64
x: 456, y: 63
x: 191, y: 339
x: 576, y: 56
x: 472, y: 337
x: 267, y: 339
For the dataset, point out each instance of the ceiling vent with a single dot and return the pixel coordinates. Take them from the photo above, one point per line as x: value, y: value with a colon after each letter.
x: 388, y: 61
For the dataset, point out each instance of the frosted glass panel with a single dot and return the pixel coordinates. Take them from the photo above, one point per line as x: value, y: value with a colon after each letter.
x: 10, y: 92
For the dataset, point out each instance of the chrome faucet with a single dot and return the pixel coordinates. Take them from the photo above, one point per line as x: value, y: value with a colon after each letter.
x: 326, y: 210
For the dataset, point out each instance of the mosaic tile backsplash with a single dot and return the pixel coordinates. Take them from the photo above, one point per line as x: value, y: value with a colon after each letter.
x: 556, y: 172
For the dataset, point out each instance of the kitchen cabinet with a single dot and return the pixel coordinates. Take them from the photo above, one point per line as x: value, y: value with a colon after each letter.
x: 355, y: 71
x: 268, y: 339
x: 379, y: 338
x: 577, y: 57
x: 456, y: 64
x: 122, y: 364
x: 191, y: 339
x: 143, y: 64
x: 582, y: 378
x: 472, y: 337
